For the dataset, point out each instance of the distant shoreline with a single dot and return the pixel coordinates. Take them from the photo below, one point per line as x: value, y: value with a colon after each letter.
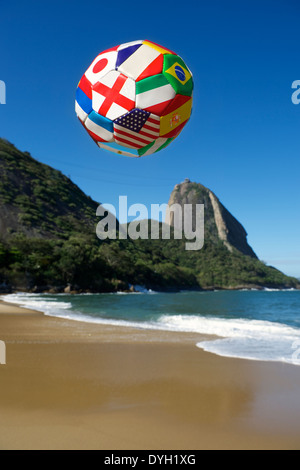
x: 132, y: 289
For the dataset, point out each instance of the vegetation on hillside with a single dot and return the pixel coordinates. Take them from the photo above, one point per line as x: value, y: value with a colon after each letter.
x: 48, y: 241
x: 38, y: 200
x: 87, y: 264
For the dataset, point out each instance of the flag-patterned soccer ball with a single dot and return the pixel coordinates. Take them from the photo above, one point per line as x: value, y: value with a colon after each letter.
x: 135, y: 98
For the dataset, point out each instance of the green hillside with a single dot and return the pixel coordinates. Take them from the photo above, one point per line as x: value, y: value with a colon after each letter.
x: 48, y: 243
x: 39, y: 201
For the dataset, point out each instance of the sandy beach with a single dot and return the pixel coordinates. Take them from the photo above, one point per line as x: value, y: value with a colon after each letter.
x: 74, y: 385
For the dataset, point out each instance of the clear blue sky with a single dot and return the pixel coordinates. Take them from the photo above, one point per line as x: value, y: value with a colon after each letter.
x: 243, y: 138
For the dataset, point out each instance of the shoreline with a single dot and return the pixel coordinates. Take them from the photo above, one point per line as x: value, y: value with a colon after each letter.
x: 131, y: 290
x: 75, y: 385
x: 205, y: 337
x: 122, y: 333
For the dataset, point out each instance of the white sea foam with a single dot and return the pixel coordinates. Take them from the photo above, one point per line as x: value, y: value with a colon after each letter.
x: 45, y: 304
x: 273, y: 289
x: 50, y: 307
x: 240, y: 338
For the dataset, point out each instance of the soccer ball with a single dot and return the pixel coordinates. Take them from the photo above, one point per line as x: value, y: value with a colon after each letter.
x: 135, y: 98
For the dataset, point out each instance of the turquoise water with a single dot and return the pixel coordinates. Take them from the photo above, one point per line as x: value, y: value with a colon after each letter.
x: 257, y: 325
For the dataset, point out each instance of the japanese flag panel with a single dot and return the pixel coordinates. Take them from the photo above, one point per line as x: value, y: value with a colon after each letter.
x: 113, y: 95
x: 104, y: 63
x: 140, y: 61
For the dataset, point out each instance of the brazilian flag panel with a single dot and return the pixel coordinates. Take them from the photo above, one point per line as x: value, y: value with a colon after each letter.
x: 178, y: 74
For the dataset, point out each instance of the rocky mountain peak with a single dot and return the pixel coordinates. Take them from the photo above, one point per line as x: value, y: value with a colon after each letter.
x: 220, y: 224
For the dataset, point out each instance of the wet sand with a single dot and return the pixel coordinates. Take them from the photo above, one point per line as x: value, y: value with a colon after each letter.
x: 74, y: 385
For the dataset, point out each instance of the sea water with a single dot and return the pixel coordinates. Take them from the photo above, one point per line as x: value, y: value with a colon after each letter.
x: 258, y: 325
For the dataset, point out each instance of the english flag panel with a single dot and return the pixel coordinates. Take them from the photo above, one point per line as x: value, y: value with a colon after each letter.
x: 113, y: 95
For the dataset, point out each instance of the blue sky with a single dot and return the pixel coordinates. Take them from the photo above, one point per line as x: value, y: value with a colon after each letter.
x: 242, y: 140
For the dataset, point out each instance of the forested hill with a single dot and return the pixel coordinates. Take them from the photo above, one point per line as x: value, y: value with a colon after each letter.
x: 48, y: 241
x: 39, y: 201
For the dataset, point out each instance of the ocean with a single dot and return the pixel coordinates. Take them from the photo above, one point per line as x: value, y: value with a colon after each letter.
x: 255, y: 325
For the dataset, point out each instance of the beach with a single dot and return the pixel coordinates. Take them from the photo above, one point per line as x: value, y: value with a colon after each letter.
x: 75, y: 385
